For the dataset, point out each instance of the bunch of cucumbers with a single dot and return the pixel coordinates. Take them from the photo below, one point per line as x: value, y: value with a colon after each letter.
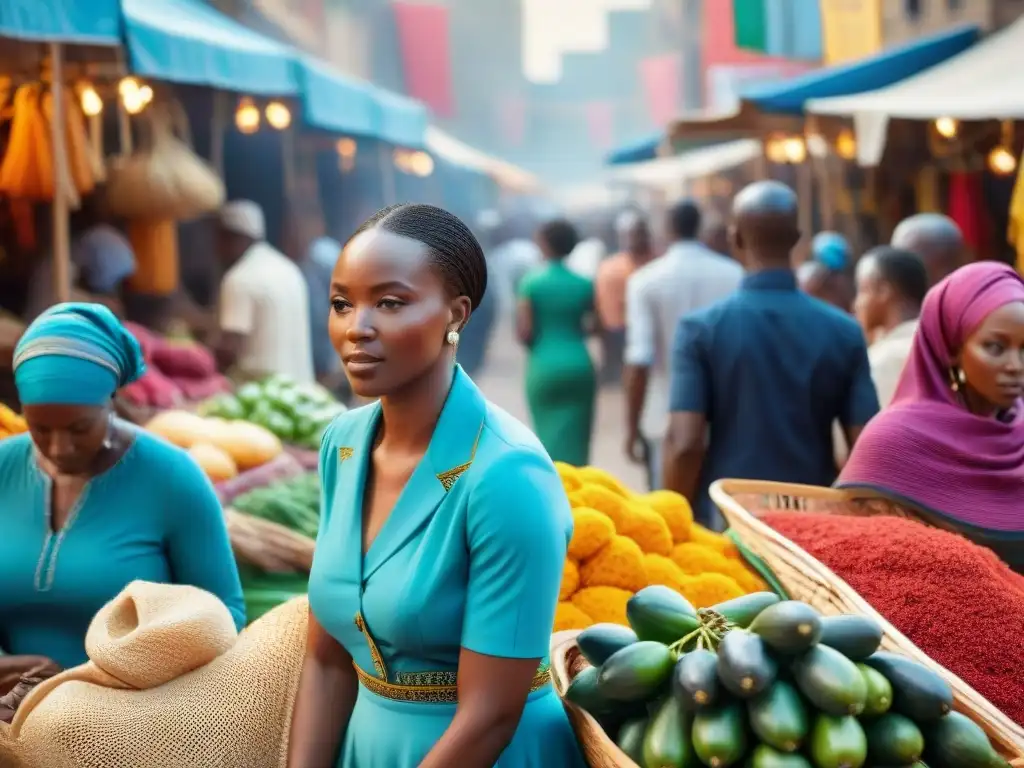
x: 293, y: 503
x: 761, y: 682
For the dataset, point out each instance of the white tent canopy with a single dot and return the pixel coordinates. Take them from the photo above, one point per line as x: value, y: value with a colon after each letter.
x: 454, y: 151
x: 705, y: 161
x: 982, y: 83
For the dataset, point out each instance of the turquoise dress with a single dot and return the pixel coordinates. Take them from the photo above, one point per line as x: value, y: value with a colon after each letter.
x: 471, y: 556
x: 153, y: 516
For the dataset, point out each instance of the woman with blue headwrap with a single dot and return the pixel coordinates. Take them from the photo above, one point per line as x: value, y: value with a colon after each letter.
x: 89, y: 503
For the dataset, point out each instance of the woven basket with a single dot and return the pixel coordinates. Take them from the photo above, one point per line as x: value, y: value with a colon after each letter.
x: 566, y: 662
x: 805, y: 578
x: 268, y: 546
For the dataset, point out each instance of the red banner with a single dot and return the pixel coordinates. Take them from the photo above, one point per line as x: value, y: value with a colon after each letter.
x: 660, y: 78
x: 511, y: 117
x: 601, y: 123
x: 426, y: 54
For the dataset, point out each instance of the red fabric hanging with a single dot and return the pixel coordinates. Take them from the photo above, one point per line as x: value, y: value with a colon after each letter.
x: 426, y: 54
x: 966, y: 206
x: 660, y: 78
x: 601, y: 123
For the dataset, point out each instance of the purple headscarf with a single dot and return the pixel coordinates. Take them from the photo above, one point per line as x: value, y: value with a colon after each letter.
x: 926, y: 447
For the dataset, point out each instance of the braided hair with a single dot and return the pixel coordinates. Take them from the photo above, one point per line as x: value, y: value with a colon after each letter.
x: 453, y: 248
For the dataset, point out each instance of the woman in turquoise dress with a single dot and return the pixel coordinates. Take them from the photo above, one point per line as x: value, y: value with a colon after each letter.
x: 553, y: 317
x: 89, y: 503
x: 443, y: 533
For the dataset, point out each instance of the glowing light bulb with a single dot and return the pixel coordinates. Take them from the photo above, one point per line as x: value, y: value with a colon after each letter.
x: 1001, y: 161
x: 278, y: 115
x: 346, y: 147
x: 846, y: 145
x: 247, y: 117
x: 421, y: 164
x: 795, y: 150
x: 128, y: 85
x: 947, y: 127
x: 92, y: 104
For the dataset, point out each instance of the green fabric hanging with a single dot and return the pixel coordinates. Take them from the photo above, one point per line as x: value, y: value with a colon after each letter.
x: 750, y: 25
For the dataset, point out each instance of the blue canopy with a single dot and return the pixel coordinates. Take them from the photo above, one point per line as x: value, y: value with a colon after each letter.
x: 403, y: 121
x: 334, y: 102
x: 97, y: 22
x: 186, y: 41
x: 885, y: 68
x: 636, y: 151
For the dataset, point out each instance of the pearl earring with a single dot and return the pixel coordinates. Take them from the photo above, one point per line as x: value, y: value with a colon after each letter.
x: 453, y: 338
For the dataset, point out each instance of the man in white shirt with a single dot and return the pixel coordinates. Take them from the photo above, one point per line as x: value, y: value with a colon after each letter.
x: 264, y: 301
x: 688, y: 277
x: 891, y: 286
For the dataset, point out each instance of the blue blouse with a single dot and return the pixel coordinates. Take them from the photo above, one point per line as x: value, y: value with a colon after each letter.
x: 153, y: 516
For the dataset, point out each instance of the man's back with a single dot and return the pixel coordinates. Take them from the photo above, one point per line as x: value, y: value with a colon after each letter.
x: 688, y: 277
x: 777, y: 368
x: 267, y: 293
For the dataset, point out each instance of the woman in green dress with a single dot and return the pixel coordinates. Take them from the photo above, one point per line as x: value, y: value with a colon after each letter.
x: 554, y: 315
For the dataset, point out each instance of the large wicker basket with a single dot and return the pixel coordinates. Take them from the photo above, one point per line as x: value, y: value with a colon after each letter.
x: 805, y: 578
x: 566, y: 662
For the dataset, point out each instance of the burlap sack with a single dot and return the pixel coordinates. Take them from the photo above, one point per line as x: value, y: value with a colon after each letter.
x: 168, y: 685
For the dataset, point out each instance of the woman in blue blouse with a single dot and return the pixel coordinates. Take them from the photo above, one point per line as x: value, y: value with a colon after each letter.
x: 89, y: 503
x: 443, y: 534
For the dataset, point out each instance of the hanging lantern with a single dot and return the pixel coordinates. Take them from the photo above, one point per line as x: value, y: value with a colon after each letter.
x: 947, y: 127
x: 92, y: 104
x: 247, y: 116
x: 278, y: 115
x: 846, y: 144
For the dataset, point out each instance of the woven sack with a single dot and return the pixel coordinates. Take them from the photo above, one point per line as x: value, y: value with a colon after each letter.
x: 169, y: 684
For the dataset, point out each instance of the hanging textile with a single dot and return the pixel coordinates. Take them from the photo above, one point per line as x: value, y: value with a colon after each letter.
x: 426, y: 54
x: 601, y: 123
x: 967, y: 209
x: 660, y: 78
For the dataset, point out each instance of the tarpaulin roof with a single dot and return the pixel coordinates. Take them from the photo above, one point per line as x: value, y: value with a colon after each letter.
x: 97, y: 22
x: 186, y: 41
x: 334, y: 102
x: 638, y: 150
x: 693, y: 164
x: 403, y: 121
x: 878, y: 71
x: 456, y: 152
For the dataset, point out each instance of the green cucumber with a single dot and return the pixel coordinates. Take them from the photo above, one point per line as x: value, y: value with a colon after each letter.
x: 766, y: 757
x: 879, y: 698
x: 720, y: 735
x: 856, y: 637
x: 638, y: 672
x: 917, y: 692
x: 695, y: 680
x: 661, y: 614
x: 779, y: 717
x: 631, y: 739
x: 667, y: 742
x: 743, y: 610
x: 893, y: 740
x: 955, y: 741
x: 744, y: 666
x: 830, y: 681
x: 788, y: 627
x: 838, y: 742
x: 599, y: 641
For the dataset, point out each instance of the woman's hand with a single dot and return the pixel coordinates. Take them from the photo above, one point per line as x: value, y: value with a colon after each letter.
x: 13, y: 668
x: 492, y: 695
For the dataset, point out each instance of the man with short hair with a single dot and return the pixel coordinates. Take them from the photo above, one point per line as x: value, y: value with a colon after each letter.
x: 936, y: 239
x: 264, y: 301
x: 689, y: 276
x: 891, y: 286
x: 768, y: 369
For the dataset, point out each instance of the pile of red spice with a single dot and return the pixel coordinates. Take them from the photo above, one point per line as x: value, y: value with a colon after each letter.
x: 954, y: 600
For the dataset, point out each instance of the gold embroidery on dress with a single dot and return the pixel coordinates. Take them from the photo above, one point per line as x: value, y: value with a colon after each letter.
x: 449, y: 477
x: 375, y: 654
x: 431, y: 687
x: 345, y: 453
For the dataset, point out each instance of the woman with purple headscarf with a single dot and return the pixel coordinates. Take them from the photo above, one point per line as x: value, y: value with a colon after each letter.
x: 952, y: 443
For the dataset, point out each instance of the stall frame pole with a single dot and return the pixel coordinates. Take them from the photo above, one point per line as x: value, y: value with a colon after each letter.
x: 60, y: 210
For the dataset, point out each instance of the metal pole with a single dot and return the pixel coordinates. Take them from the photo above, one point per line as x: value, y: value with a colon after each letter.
x: 61, y: 180
x: 693, y: 55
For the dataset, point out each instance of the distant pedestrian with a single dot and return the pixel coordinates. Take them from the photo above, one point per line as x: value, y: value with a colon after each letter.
x: 768, y: 369
x: 689, y: 276
x: 554, y: 316
x: 936, y: 239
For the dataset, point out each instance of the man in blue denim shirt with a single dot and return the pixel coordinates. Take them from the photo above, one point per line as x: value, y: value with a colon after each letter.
x: 766, y: 371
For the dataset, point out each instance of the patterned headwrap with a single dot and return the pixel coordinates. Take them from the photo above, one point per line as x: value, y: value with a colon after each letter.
x: 75, y: 354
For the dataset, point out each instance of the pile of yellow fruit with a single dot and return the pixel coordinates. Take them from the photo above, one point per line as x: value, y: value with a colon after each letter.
x: 624, y: 541
x: 11, y: 423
